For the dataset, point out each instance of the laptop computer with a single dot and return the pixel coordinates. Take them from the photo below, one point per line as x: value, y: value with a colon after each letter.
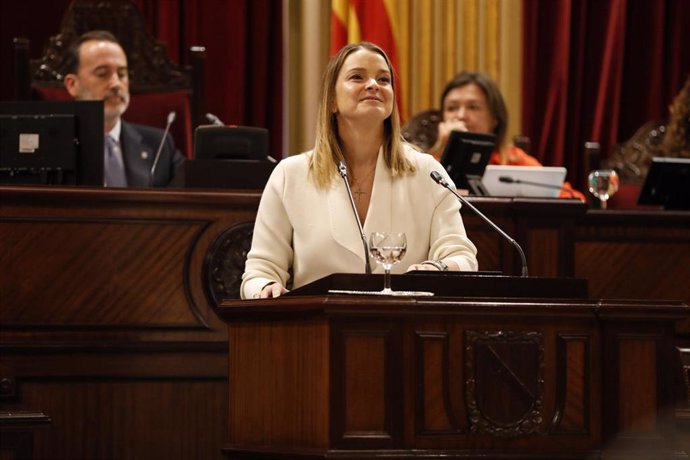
x: 528, y: 181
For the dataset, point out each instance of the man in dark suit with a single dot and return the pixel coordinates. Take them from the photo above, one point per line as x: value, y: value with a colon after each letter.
x: 99, y: 72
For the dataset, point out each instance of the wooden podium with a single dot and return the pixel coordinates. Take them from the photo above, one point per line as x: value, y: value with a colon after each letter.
x: 490, y: 367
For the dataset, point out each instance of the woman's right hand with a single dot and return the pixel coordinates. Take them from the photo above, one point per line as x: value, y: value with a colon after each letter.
x: 271, y: 290
x: 444, y: 130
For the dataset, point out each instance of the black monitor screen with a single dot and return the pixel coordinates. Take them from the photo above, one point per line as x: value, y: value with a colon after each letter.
x: 465, y: 158
x: 51, y: 142
x: 667, y: 183
x: 230, y: 143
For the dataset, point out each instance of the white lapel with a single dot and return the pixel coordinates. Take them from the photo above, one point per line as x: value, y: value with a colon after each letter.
x: 379, y: 214
x: 343, y: 224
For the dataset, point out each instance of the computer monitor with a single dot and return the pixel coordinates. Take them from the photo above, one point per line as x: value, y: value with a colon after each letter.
x: 228, y: 157
x: 51, y: 142
x: 667, y: 183
x: 465, y: 158
x: 230, y: 143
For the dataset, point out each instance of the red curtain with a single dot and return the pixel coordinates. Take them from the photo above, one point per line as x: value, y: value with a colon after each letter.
x: 243, y: 69
x: 596, y: 70
x: 243, y: 40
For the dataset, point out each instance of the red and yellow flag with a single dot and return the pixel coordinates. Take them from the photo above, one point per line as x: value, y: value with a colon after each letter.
x: 353, y: 21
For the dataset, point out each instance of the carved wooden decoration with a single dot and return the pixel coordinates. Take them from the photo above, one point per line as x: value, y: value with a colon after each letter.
x: 504, y: 386
x: 224, y: 262
x: 150, y: 67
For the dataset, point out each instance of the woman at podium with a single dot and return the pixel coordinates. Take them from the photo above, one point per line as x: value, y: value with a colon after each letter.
x: 307, y: 226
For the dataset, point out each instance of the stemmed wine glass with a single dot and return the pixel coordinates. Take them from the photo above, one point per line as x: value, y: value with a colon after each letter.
x: 388, y: 248
x: 603, y: 183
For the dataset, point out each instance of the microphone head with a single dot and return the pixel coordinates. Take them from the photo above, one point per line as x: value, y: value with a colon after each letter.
x: 438, y: 178
x: 171, y: 116
x: 506, y: 179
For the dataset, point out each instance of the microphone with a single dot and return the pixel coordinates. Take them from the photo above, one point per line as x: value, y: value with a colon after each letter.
x: 171, y: 118
x: 510, y: 180
x: 214, y: 119
x: 342, y: 170
x: 436, y: 176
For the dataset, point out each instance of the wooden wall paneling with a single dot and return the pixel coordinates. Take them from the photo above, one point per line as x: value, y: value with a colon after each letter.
x: 574, y: 387
x: 279, y: 382
x: 640, y: 379
x: 634, y: 255
x: 434, y: 412
x: 543, y: 228
x: 367, y: 384
x: 107, y: 326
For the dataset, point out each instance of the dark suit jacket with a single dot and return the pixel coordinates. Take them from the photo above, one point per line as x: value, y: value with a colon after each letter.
x: 139, y: 145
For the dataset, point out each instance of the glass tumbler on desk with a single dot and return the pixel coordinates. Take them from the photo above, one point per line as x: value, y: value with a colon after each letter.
x: 388, y: 248
x: 603, y: 184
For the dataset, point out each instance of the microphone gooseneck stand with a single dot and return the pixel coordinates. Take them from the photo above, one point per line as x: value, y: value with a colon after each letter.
x: 342, y: 170
x: 152, y: 172
x: 436, y: 176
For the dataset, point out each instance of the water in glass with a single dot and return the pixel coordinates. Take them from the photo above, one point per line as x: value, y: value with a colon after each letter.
x: 603, y: 183
x: 387, y: 248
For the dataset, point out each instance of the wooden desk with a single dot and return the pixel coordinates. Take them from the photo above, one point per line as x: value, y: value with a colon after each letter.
x: 635, y: 255
x: 544, y: 228
x: 107, y: 304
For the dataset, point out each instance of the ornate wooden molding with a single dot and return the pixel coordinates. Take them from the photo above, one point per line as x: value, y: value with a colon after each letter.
x: 224, y: 263
x: 150, y: 68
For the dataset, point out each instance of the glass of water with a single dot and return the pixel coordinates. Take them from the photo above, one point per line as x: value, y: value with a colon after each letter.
x: 387, y: 248
x: 603, y: 183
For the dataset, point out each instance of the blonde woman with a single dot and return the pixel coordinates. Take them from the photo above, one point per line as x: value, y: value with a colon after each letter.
x: 305, y: 223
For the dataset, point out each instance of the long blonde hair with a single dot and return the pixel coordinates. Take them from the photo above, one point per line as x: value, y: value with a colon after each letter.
x: 327, y: 148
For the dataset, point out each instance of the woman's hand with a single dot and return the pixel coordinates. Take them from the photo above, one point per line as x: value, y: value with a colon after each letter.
x: 271, y: 290
x: 434, y: 266
x: 446, y: 127
x: 444, y: 130
x: 422, y: 267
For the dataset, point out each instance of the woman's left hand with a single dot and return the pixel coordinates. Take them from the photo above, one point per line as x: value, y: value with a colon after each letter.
x: 424, y: 267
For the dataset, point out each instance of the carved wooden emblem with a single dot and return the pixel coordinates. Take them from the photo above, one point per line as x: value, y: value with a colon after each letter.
x: 225, y: 260
x: 505, y: 382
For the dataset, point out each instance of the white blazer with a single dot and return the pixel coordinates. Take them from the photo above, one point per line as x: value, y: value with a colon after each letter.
x: 313, y: 231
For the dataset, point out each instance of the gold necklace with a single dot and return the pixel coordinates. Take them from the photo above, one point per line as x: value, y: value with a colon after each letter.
x: 356, y: 185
